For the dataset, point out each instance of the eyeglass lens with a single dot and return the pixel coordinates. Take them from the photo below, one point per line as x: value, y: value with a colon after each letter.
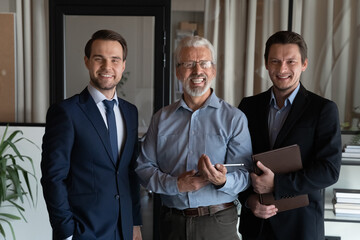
x: 203, y: 64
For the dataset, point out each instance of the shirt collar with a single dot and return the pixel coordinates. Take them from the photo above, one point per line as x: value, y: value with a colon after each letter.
x: 211, y: 101
x: 98, y: 96
x: 288, y: 100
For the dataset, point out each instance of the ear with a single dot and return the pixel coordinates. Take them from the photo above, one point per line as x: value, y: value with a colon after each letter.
x: 266, y: 65
x: 124, y: 64
x: 177, y: 72
x: 305, y: 64
x: 87, y: 62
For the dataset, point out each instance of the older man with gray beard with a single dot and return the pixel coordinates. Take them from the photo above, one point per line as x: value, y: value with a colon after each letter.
x: 187, y: 148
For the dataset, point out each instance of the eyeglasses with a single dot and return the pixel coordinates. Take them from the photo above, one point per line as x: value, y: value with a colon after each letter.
x: 204, y: 64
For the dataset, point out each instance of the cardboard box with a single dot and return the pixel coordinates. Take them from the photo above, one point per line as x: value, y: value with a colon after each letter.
x: 188, y: 26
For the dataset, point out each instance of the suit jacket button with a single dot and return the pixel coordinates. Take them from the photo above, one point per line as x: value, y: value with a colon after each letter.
x: 117, y: 197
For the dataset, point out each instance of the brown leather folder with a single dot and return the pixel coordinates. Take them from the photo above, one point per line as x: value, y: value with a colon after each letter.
x: 281, y: 160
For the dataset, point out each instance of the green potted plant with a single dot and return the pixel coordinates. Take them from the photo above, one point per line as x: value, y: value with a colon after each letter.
x: 14, y: 179
x: 356, y: 139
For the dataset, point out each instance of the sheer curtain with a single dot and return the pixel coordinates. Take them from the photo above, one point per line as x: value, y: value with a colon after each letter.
x: 331, y: 28
x: 239, y: 29
x: 32, y: 97
x: 332, y: 31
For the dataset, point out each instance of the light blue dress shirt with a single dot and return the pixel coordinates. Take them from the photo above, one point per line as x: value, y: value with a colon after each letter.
x: 120, y: 125
x: 176, y: 139
x: 278, y: 116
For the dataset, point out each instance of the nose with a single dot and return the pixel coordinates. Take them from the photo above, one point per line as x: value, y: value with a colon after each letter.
x: 106, y: 64
x: 283, y: 66
x: 197, y: 68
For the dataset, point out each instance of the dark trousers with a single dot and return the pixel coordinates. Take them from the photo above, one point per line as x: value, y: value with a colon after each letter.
x: 266, y: 233
x: 221, y: 225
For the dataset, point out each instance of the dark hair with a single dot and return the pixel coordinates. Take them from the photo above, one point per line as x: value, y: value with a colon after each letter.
x: 286, y: 37
x: 106, y: 35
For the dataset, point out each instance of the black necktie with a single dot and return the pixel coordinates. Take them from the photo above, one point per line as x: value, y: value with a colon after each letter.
x: 110, y: 116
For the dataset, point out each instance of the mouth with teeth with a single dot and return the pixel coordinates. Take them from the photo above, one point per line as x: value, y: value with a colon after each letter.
x: 283, y: 77
x: 198, y: 80
x: 105, y: 75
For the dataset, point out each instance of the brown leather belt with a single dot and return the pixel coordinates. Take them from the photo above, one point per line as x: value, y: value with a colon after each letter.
x: 201, y: 211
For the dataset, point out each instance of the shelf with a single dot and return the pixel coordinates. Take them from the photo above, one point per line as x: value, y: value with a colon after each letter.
x: 331, y: 217
x: 346, y: 173
x: 350, y: 163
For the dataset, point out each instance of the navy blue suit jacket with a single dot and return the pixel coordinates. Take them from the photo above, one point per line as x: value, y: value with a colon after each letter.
x: 86, y: 193
x: 313, y: 124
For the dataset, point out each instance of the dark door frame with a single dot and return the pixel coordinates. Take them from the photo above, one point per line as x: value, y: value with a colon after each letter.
x: 160, y: 9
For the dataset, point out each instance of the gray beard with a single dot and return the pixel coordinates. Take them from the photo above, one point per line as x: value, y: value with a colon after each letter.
x: 196, y: 92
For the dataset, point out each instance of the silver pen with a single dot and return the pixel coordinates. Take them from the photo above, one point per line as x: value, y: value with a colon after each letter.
x: 232, y: 164
x: 226, y: 165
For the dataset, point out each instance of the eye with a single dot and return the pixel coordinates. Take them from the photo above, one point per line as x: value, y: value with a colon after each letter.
x: 188, y: 64
x: 205, y: 64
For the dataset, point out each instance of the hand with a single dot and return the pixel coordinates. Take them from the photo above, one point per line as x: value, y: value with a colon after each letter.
x: 191, y: 181
x: 260, y: 210
x: 137, y: 233
x: 216, y: 175
x: 265, y: 182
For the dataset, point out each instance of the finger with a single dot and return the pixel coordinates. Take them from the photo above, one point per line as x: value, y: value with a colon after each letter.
x: 262, y: 167
x: 192, y: 172
x: 221, y: 168
x: 204, y: 166
x: 201, y: 162
x: 253, y: 176
x: 207, y: 161
x: 265, y: 211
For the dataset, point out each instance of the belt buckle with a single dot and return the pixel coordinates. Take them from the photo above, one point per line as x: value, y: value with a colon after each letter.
x: 212, y: 210
x: 203, y: 211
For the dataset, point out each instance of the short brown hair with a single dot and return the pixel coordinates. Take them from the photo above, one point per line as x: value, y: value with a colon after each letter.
x: 286, y: 37
x: 106, y: 35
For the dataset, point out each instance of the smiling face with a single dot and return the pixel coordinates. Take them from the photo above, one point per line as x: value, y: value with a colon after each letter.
x: 105, y: 66
x: 196, y: 81
x: 285, y: 67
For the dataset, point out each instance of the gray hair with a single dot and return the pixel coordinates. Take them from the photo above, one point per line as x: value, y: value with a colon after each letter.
x: 194, y: 41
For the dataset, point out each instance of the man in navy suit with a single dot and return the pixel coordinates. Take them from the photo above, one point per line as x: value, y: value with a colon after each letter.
x: 92, y: 192
x: 288, y: 114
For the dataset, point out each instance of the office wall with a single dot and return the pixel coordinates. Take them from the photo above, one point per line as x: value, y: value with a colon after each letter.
x: 37, y: 226
x: 5, y: 5
x: 7, y: 67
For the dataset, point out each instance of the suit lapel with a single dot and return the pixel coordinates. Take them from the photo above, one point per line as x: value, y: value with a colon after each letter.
x: 127, y: 126
x: 92, y: 112
x: 297, y: 109
x: 263, y: 120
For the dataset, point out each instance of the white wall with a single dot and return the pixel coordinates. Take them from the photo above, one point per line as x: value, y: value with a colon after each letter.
x: 37, y: 226
x: 5, y: 5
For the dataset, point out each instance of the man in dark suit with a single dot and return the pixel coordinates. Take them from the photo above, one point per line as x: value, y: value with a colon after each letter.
x: 88, y: 178
x: 288, y: 114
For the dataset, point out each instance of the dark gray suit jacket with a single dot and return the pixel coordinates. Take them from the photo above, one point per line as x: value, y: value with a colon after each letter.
x: 313, y: 124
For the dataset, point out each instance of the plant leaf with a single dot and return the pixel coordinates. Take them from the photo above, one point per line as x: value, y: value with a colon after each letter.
x: 11, y: 228
x: 12, y: 185
x: 2, y: 231
x: 11, y: 216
